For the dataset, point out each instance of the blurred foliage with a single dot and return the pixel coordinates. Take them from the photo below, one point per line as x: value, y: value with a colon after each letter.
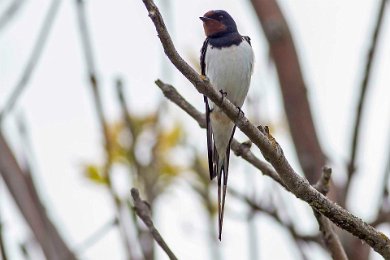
x: 136, y: 138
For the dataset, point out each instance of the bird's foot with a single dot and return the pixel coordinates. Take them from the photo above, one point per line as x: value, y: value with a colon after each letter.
x: 223, y: 93
x: 240, y: 112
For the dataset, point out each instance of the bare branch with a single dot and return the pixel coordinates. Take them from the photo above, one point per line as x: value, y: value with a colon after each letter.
x: 94, y: 84
x: 3, y: 252
x: 10, y: 12
x: 293, y: 87
x: 97, y: 235
x: 239, y: 149
x: 33, y: 59
x: 329, y: 235
x: 52, y: 244
x: 142, y: 209
x: 270, y: 149
x: 271, y: 212
x: 363, y: 90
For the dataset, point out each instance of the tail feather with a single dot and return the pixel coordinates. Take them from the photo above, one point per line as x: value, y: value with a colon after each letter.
x: 222, y: 175
x: 224, y: 167
x: 218, y: 160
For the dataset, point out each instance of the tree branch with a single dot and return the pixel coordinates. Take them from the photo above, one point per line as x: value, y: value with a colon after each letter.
x: 33, y: 59
x: 363, y: 90
x: 10, y: 12
x: 270, y: 149
x: 271, y: 212
x: 293, y: 87
x: 142, y: 209
x: 330, y: 237
x: 94, y: 84
x: 52, y: 244
x: 3, y: 252
x: 239, y: 149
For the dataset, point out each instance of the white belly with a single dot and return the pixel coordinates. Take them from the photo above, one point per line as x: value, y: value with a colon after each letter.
x: 230, y: 69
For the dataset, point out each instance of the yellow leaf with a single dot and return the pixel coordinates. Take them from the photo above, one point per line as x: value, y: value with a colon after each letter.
x: 94, y: 173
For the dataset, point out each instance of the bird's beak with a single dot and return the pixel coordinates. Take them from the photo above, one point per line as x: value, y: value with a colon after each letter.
x: 205, y: 19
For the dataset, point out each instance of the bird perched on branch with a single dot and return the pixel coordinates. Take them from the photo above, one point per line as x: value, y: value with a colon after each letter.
x: 227, y: 60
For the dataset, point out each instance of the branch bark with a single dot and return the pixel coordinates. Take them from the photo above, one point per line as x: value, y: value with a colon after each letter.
x: 329, y: 235
x: 142, y: 209
x: 240, y: 149
x: 270, y: 149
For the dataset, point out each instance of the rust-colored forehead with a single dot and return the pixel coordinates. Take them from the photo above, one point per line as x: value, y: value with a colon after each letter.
x: 209, y: 14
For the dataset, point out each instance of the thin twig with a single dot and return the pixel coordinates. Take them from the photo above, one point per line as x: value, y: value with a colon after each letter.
x: 142, y: 209
x: 271, y: 212
x: 33, y: 59
x: 270, y: 149
x: 94, y: 84
x: 3, y: 252
x: 385, y: 180
x: 146, y: 247
x: 292, y: 86
x: 10, y: 12
x: 96, y: 236
x: 363, y: 90
x: 329, y: 235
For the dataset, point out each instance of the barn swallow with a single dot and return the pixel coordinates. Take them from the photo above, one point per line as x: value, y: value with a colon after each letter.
x: 227, y: 60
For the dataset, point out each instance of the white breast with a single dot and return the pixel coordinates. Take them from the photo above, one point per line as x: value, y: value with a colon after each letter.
x: 230, y: 69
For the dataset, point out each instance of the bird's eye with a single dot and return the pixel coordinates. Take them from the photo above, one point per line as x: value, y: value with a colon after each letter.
x: 221, y: 16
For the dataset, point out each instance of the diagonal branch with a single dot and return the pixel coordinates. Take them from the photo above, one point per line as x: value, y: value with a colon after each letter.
x: 10, y: 12
x: 293, y: 87
x: 270, y: 149
x: 97, y: 98
x: 3, y: 252
x: 33, y: 59
x: 239, y: 149
x: 142, y: 209
x: 363, y: 90
x: 272, y: 212
x: 31, y: 208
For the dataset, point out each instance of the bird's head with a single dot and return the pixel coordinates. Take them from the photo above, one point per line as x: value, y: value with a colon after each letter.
x: 217, y: 23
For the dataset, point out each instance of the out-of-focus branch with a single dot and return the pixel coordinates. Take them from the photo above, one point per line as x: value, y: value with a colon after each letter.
x: 329, y: 235
x: 271, y: 212
x: 10, y: 12
x: 31, y: 208
x: 270, y: 149
x: 294, y: 92
x: 142, y: 209
x: 143, y: 235
x: 33, y: 59
x: 363, y: 90
x: 90, y: 63
x: 3, y: 252
x: 97, y: 235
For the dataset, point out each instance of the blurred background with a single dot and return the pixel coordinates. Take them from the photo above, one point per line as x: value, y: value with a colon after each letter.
x: 82, y: 122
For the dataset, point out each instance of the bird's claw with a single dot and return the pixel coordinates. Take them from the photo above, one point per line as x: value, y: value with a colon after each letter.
x: 223, y: 93
x: 240, y: 112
